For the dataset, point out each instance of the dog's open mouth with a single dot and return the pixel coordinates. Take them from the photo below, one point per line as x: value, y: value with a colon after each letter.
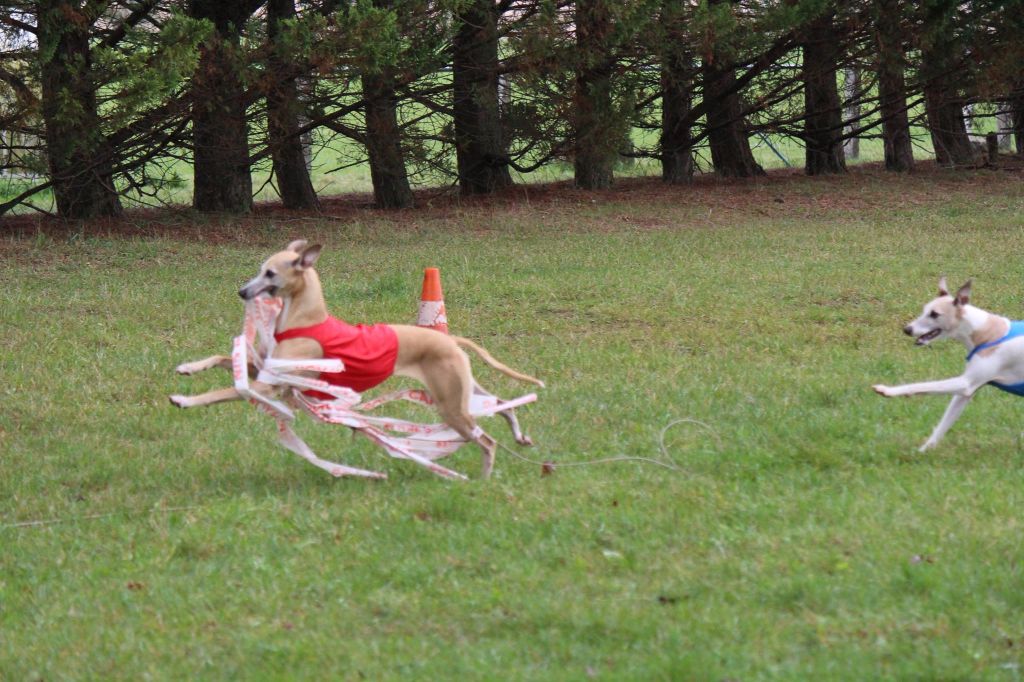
x: 925, y: 338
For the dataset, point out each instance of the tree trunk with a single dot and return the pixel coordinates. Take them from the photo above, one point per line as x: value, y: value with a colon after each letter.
x: 941, y: 73
x: 676, y: 141
x: 1004, y: 124
x: 1016, y: 116
x: 892, y: 91
x: 823, y: 122
x: 223, y: 182
x: 598, y: 134
x: 384, y: 144
x: 480, y: 151
x: 283, y: 110
x: 726, y: 125
x: 851, y: 88
x: 727, y: 129
x: 945, y: 110
x: 676, y: 101
x: 79, y: 158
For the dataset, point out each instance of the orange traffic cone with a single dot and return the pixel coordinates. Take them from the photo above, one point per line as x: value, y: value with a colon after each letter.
x: 432, y: 312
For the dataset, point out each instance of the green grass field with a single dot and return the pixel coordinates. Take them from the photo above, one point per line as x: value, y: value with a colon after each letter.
x: 802, y: 538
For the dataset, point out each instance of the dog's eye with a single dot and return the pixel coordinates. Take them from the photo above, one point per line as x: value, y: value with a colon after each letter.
x: 933, y: 314
x: 269, y: 274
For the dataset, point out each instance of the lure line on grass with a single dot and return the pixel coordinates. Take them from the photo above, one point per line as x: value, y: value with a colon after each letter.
x: 90, y: 517
x: 607, y: 460
x: 669, y: 464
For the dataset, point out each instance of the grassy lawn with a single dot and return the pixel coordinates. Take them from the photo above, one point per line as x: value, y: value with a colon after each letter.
x: 802, y: 538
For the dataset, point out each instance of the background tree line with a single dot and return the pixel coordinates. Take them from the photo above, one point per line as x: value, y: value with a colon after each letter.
x: 102, y: 99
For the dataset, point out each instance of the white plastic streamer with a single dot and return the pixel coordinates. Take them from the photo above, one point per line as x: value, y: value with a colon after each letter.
x: 421, y: 443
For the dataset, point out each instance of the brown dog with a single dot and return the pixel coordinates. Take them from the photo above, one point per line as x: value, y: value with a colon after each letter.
x: 433, y: 358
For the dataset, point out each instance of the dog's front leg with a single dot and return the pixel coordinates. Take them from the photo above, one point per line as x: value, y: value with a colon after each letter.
x: 956, y: 406
x: 189, y: 368
x: 222, y: 361
x: 209, y: 398
x: 960, y: 385
x: 222, y: 395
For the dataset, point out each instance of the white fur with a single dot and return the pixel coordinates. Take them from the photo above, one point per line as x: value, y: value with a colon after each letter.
x: 953, y: 317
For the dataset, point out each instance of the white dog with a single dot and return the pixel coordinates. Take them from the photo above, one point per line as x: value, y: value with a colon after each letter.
x: 995, y: 353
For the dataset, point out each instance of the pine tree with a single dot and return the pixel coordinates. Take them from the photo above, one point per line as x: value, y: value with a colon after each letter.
x: 892, y: 95
x: 221, y: 166
x: 823, y: 114
x: 80, y: 159
x: 481, y: 155
x: 596, y: 127
x: 283, y: 114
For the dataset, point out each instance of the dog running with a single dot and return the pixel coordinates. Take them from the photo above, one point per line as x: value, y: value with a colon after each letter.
x: 370, y: 353
x: 995, y: 353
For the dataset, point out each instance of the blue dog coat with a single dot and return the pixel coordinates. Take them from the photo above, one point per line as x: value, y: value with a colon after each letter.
x: 1016, y: 329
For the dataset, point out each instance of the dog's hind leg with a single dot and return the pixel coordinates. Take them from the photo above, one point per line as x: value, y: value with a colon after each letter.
x: 956, y: 407
x: 508, y: 415
x: 487, y: 446
x: 517, y: 432
x: 449, y: 381
x: 464, y: 424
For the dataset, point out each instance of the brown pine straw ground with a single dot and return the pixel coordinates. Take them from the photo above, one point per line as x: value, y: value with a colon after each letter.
x: 632, y: 203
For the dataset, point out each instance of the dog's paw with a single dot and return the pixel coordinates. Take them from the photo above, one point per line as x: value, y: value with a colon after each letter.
x: 524, y: 440
x: 928, y: 445
x: 185, y: 368
x: 179, y: 400
x: 882, y: 389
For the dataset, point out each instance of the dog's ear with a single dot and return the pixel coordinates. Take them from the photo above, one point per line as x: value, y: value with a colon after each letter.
x: 297, y: 246
x: 963, y: 294
x: 943, y: 287
x: 307, y: 258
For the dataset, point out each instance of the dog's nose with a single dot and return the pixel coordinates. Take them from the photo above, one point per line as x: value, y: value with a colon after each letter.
x: 241, y: 293
x: 908, y: 331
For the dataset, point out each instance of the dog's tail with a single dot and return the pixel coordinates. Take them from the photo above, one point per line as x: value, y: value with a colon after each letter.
x: 489, y: 359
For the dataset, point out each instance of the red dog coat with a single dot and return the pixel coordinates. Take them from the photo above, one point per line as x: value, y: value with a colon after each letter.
x: 368, y: 351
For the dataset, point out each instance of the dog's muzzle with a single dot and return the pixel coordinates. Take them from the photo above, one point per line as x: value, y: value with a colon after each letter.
x: 247, y: 295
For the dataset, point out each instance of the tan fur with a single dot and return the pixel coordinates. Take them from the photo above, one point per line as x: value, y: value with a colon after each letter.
x: 433, y: 358
x: 994, y: 328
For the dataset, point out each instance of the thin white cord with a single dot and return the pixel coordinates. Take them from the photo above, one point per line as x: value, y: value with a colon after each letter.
x: 552, y: 465
x: 685, y: 420
x: 624, y: 458
x: 86, y: 517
